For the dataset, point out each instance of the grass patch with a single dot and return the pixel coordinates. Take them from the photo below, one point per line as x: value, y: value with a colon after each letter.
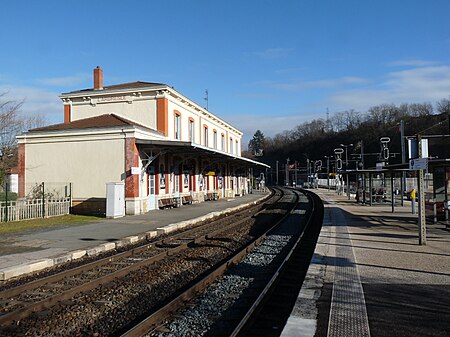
x: 70, y: 219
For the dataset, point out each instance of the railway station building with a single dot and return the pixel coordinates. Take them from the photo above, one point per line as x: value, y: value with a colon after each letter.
x: 163, y: 148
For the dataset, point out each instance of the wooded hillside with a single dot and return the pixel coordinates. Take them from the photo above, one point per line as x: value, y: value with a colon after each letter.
x: 318, y: 138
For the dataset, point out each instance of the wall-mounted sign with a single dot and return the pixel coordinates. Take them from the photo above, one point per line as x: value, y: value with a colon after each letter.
x: 135, y: 170
x: 108, y: 99
x: 418, y: 164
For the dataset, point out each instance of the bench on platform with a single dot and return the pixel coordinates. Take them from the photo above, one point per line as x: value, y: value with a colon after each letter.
x: 166, y: 203
x: 211, y: 196
x: 187, y: 200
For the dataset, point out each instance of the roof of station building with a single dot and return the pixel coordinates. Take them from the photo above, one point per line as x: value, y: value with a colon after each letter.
x: 122, y: 86
x: 102, y: 121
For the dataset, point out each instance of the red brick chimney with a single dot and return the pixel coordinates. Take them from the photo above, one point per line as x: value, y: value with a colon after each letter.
x: 98, y: 78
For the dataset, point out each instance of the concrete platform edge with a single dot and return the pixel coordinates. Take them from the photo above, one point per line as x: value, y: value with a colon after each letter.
x: 39, y: 265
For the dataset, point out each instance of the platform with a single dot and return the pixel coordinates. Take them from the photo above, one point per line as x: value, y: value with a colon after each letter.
x: 370, y: 277
x: 33, y: 250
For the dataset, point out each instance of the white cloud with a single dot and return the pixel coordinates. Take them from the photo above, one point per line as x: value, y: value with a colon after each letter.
x: 423, y: 84
x: 36, y: 101
x: 412, y: 63
x: 274, y: 53
x: 317, y: 84
x: 65, y: 81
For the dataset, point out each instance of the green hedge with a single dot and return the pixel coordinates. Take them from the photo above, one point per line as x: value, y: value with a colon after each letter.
x: 11, y: 196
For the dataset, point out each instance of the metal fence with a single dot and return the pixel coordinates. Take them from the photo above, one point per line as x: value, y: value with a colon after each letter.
x: 43, y: 200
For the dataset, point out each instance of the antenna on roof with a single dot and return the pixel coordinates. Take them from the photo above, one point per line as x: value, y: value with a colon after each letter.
x: 206, y: 98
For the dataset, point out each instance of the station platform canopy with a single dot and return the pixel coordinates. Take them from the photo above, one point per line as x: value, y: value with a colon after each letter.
x: 188, y: 149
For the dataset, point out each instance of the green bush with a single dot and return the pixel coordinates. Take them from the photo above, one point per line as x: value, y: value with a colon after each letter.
x: 11, y: 196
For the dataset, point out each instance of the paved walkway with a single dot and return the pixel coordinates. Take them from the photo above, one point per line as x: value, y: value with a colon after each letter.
x: 370, y: 277
x: 48, y: 244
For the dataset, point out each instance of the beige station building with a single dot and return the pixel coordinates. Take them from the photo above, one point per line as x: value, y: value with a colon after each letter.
x: 161, y: 146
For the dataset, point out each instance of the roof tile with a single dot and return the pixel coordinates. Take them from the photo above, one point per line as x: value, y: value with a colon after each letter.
x: 102, y: 121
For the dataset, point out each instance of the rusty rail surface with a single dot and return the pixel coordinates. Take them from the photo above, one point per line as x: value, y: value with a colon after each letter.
x: 154, y: 320
x: 169, y: 245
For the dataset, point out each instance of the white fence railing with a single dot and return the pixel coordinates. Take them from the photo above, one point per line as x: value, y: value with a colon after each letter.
x: 32, y: 209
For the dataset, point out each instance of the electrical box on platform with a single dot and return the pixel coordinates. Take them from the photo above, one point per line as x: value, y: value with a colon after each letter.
x: 115, y: 200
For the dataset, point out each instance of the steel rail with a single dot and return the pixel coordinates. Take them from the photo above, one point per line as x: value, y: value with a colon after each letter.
x: 52, y: 300
x: 11, y: 292
x: 153, y: 320
x: 275, y: 277
x: 281, y: 271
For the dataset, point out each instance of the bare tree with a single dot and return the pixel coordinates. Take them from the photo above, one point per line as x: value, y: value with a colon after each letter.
x: 420, y: 109
x: 12, y: 123
x: 443, y: 106
x: 337, y: 122
x: 352, y: 119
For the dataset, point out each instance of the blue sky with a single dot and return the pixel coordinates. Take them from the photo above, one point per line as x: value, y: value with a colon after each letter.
x: 267, y: 65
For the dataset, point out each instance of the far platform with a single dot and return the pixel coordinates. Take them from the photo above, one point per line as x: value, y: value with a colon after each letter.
x: 370, y: 277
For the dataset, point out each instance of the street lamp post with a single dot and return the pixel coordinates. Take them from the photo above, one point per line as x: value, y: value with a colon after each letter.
x: 346, y: 168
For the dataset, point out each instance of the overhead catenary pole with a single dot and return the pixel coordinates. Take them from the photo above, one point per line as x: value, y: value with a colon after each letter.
x: 402, y: 142
x: 277, y: 171
x: 287, y: 172
x: 295, y: 173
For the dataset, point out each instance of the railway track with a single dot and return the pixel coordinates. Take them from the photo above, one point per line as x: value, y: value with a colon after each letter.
x: 100, y: 285
x: 270, y: 311
x: 232, y: 300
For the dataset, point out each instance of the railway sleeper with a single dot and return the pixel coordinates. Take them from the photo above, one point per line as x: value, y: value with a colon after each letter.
x: 219, y: 239
x: 5, y: 305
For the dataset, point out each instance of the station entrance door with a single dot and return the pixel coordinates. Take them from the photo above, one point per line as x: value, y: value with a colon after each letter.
x: 151, y: 200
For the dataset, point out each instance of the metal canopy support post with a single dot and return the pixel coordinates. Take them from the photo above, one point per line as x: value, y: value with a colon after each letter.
x: 348, y: 186
x: 363, y: 176
x: 150, y: 159
x: 446, y: 193
x: 422, y: 219
x: 392, y: 193
x: 402, y: 187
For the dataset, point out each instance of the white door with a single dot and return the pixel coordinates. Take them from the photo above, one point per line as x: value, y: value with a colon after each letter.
x: 177, y: 181
x: 151, y: 188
